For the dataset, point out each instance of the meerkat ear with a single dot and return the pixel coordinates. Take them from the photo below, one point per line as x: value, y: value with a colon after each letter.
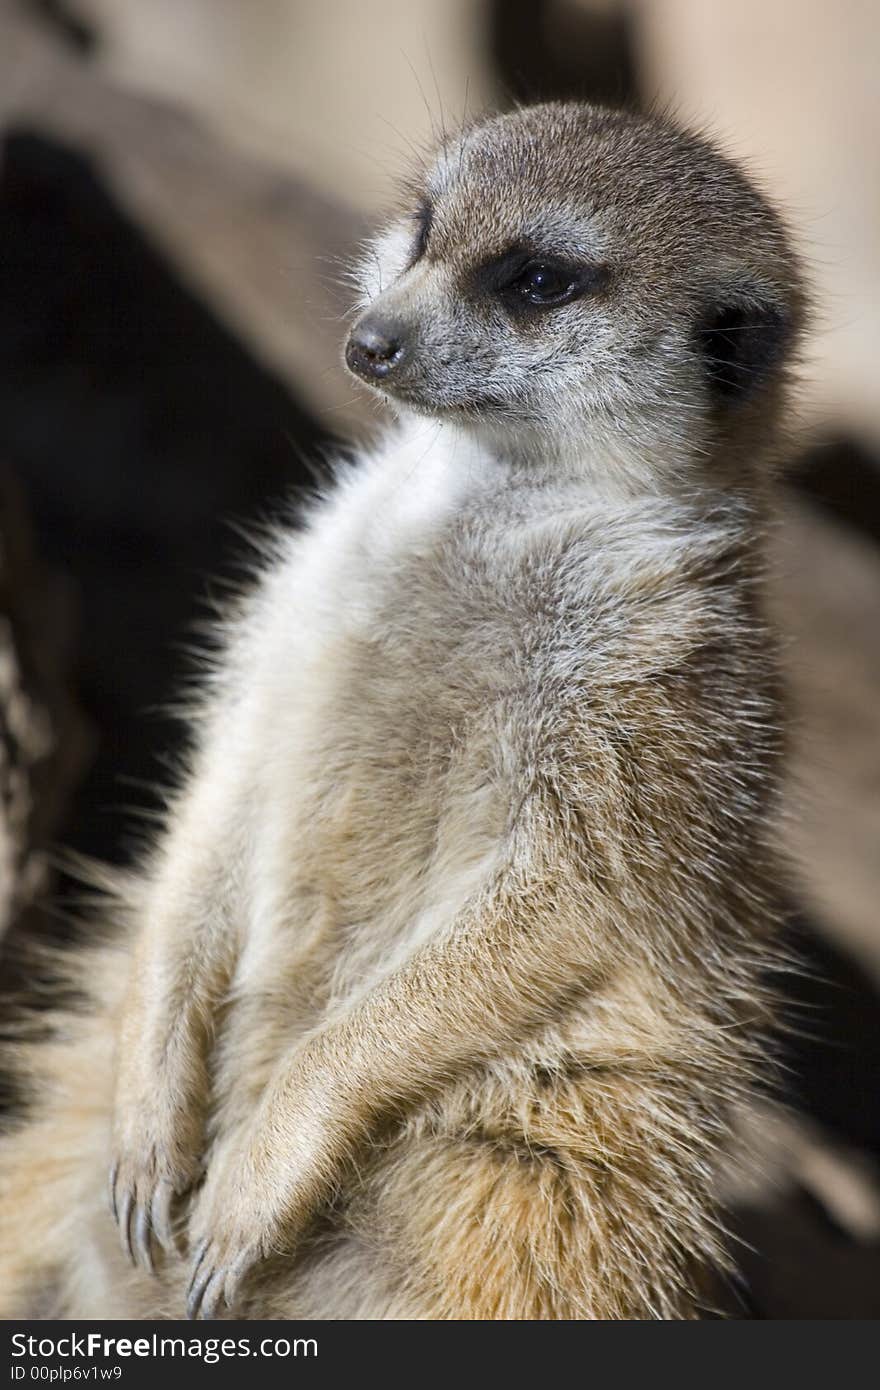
x: 743, y: 335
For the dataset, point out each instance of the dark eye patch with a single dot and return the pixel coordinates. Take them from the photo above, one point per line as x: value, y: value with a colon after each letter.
x: 525, y: 279
x: 423, y: 217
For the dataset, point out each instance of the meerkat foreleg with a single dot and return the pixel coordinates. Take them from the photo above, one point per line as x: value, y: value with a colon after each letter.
x: 406, y: 1039
x: 181, y: 965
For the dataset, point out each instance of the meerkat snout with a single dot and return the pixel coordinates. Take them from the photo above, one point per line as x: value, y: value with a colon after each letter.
x: 376, y: 347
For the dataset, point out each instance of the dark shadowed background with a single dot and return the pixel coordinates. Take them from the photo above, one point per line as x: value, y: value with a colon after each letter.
x: 180, y: 183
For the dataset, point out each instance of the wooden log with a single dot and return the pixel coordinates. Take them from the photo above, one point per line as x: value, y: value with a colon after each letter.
x: 44, y: 740
x: 264, y: 247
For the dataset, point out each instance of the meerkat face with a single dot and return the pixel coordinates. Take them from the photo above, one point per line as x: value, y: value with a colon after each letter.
x: 562, y: 264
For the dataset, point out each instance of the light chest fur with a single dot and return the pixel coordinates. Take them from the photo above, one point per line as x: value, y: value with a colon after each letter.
x: 403, y: 672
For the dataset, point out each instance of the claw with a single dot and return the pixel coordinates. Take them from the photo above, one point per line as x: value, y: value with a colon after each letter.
x: 113, y: 1175
x: 214, y: 1296
x: 142, y: 1239
x: 234, y: 1276
x: 198, y: 1255
x: 160, y: 1215
x: 125, y: 1225
x: 197, y: 1287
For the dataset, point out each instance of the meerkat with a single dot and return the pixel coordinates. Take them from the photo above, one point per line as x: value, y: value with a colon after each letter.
x: 440, y: 991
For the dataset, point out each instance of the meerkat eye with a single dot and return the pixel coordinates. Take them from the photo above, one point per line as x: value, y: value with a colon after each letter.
x: 545, y: 283
x: 423, y: 217
x: 524, y: 280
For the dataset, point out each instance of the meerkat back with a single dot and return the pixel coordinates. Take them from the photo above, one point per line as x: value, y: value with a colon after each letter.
x: 443, y: 989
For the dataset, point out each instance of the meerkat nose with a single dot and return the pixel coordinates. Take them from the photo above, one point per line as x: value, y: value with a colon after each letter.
x: 374, y: 349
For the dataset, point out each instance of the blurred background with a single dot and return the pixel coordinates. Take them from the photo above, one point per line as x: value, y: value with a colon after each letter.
x: 181, y: 182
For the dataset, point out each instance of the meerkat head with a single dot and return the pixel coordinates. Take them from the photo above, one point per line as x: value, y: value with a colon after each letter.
x: 562, y: 268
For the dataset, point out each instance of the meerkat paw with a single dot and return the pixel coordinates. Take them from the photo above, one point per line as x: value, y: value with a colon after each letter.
x: 220, y: 1262
x: 155, y: 1165
x: 254, y: 1203
x: 232, y: 1232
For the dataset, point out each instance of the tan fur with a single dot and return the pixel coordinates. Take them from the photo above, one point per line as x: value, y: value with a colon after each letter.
x: 446, y: 970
